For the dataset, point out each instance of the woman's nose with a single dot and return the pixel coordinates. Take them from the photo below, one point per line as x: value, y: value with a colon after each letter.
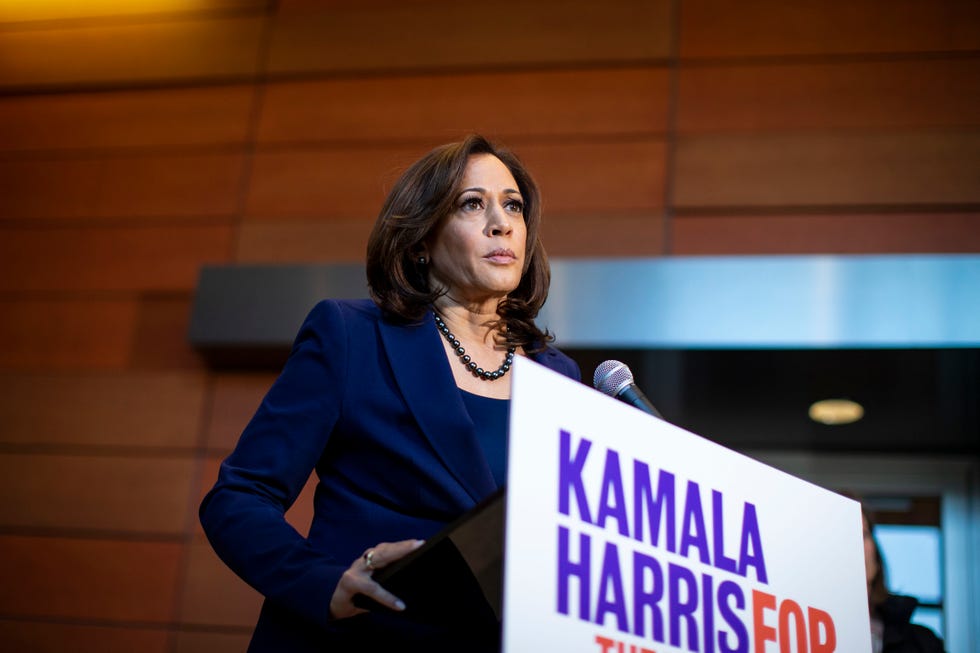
x: 498, y: 222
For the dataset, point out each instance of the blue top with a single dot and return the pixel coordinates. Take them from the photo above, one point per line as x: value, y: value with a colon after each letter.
x: 372, y: 405
x: 489, y: 416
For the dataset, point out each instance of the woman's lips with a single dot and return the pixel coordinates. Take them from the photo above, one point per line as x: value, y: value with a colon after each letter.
x: 501, y: 256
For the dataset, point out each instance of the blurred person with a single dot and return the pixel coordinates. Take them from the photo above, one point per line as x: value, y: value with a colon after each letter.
x: 399, y: 403
x: 891, y: 628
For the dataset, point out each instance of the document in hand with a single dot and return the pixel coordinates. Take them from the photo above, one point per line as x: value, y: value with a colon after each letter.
x: 457, y: 575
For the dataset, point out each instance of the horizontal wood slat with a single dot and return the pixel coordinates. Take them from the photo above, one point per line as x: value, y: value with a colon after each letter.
x: 63, y: 334
x: 604, y: 235
x: 293, y: 241
x: 591, y: 178
x: 163, y: 185
x: 19, y: 12
x: 48, y: 637
x: 92, y: 409
x: 827, y: 169
x: 179, y: 50
x: 234, y: 400
x: 109, y: 258
x: 874, y: 95
x: 212, y: 594
x: 171, y: 117
x: 717, y: 28
x: 88, y: 579
x: 440, y: 107
x: 212, y: 642
x: 291, y: 5
x: 349, y: 183
x: 826, y: 234
x: 123, y: 494
x: 457, y: 35
x: 160, y: 340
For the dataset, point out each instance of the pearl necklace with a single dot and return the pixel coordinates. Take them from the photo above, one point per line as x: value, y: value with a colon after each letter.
x: 468, y: 361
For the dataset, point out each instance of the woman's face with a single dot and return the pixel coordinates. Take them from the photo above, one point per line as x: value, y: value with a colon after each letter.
x: 477, y: 252
x: 870, y: 560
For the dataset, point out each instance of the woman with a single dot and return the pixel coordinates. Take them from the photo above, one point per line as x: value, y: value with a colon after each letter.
x: 399, y: 405
x: 891, y: 628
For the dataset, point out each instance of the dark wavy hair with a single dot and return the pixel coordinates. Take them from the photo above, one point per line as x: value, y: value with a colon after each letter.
x: 421, y: 199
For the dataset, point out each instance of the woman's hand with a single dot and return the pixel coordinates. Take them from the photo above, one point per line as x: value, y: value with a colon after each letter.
x: 357, y: 579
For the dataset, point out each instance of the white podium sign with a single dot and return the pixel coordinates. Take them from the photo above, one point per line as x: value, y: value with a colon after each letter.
x: 626, y: 534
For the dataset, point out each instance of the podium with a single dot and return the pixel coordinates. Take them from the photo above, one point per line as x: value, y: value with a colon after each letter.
x: 625, y: 534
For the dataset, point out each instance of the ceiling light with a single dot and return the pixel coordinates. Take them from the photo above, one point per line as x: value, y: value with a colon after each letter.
x: 836, y: 411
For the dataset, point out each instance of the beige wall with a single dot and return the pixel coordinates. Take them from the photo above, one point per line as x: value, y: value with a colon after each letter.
x: 137, y: 145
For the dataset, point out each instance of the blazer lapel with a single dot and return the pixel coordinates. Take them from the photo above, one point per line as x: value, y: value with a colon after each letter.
x: 423, y: 375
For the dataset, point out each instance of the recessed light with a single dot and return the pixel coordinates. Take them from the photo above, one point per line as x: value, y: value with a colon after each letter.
x: 836, y: 411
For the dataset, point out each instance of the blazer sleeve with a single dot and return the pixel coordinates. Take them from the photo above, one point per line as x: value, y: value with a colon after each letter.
x: 243, y: 514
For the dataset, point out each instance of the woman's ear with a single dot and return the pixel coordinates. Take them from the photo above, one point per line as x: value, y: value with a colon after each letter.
x: 421, y: 253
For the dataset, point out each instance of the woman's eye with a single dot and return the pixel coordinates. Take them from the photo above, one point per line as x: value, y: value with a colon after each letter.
x: 472, y: 203
x: 515, y: 205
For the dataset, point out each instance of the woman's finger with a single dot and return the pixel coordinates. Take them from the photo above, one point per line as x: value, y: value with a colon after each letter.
x: 375, y: 591
x: 357, y: 579
x: 384, y: 554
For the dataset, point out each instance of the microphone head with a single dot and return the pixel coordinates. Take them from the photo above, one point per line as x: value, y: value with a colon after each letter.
x: 611, y: 377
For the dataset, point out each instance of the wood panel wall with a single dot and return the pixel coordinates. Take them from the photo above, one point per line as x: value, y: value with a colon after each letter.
x: 138, y: 143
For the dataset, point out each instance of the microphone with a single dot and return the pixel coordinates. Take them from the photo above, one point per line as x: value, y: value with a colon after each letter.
x: 616, y: 380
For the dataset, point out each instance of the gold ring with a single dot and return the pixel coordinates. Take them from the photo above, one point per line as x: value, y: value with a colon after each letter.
x: 369, y: 559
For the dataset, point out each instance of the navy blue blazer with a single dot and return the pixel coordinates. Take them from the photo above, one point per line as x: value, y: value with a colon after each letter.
x: 372, y: 406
